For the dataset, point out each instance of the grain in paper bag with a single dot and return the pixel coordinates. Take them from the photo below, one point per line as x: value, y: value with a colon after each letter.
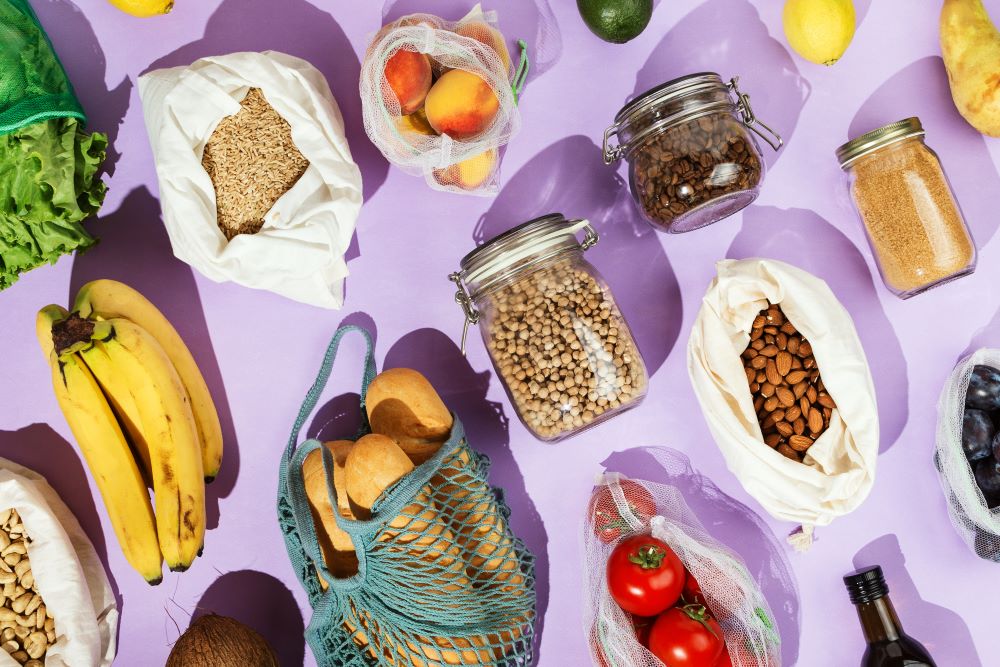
x: 839, y: 469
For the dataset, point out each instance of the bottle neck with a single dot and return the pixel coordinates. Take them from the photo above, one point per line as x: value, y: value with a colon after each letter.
x: 879, y: 621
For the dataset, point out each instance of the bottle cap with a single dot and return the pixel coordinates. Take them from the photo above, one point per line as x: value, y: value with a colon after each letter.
x: 866, y: 585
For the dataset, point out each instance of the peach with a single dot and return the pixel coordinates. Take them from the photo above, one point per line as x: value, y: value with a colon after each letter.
x: 469, y: 174
x: 488, y: 35
x: 415, y: 122
x: 460, y: 104
x: 409, y: 76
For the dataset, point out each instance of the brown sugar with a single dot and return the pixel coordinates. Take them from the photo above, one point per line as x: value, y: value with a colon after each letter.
x: 913, y: 222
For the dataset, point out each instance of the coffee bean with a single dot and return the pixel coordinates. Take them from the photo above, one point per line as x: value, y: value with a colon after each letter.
x: 685, y: 166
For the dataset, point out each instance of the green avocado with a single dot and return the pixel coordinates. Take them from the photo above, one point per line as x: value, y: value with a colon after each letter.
x: 616, y: 21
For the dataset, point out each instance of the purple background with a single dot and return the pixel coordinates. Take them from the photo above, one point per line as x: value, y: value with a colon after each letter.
x: 260, y: 352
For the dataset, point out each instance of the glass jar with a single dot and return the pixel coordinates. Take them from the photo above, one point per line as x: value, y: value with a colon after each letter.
x: 552, y: 328
x: 914, y: 225
x: 692, y: 159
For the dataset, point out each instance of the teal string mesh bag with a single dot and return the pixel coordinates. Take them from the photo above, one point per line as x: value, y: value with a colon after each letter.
x: 33, y: 84
x: 441, y: 578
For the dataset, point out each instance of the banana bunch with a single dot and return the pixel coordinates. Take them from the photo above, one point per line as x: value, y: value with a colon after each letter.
x: 141, y: 414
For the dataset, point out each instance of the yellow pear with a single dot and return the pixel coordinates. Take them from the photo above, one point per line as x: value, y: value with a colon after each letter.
x: 970, y: 44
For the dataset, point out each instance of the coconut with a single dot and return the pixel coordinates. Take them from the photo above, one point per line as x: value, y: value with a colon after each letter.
x: 220, y: 641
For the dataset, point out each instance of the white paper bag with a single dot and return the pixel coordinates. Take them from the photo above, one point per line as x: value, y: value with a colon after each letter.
x: 299, y: 252
x: 839, y: 469
x: 68, y: 574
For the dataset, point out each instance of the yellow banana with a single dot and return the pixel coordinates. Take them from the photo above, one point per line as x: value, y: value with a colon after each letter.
x: 119, y: 395
x: 46, y: 317
x: 169, y: 426
x: 106, y: 299
x: 111, y: 463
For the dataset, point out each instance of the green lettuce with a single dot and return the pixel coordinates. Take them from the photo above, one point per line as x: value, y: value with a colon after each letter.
x: 48, y: 184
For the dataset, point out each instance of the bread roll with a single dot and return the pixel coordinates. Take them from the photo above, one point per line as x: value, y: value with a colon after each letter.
x: 336, y: 545
x: 403, y: 405
x: 374, y: 464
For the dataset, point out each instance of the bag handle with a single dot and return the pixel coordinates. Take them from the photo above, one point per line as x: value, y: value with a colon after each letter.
x: 295, y: 455
x: 312, y: 396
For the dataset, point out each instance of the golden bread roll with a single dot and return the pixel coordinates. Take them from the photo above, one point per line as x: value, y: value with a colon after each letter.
x: 403, y: 405
x: 336, y: 545
x: 373, y: 465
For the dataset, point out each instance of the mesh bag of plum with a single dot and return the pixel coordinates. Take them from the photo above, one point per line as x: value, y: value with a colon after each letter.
x: 658, y: 585
x: 438, y: 98
x: 967, y: 453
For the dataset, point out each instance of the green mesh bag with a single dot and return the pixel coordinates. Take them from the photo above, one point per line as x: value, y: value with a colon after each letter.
x: 33, y: 84
x: 49, y: 167
x: 441, y: 579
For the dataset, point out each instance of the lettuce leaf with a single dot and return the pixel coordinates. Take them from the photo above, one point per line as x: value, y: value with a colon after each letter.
x: 48, y: 184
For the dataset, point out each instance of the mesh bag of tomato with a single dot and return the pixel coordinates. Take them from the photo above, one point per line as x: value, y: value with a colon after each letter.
x: 661, y: 591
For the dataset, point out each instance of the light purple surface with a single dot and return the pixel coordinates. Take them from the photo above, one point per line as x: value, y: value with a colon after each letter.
x: 260, y: 352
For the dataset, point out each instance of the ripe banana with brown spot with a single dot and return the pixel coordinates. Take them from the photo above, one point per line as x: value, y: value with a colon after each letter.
x: 106, y: 299
x: 108, y: 456
x: 171, y: 433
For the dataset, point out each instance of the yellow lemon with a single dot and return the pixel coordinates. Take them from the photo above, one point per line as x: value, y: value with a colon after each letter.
x: 144, y: 8
x: 819, y: 30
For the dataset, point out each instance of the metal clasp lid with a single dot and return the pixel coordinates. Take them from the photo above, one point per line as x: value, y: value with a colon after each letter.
x: 749, y: 119
x: 611, y: 153
x: 463, y: 299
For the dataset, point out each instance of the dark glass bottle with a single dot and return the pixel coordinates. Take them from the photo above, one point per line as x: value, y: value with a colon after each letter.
x: 888, y: 645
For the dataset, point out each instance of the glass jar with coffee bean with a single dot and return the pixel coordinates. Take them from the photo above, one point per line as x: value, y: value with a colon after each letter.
x: 692, y: 158
x: 551, y: 325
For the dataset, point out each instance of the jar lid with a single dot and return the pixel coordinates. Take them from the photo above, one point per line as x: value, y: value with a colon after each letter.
x: 682, y: 85
x: 540, y: 237
x: 880, y: 138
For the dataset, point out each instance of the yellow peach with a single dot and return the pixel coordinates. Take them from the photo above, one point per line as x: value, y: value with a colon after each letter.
x: 415, y: 122
x: 488, y: 35
x: 461, y: 104
x: 469, y: 174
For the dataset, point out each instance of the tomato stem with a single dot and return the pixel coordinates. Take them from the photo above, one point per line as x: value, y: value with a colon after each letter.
x: 698, y: 612
x: 648, y: 557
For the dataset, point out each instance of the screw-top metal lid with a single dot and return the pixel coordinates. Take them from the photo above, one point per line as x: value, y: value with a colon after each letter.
x: 866, y: 585
x: 880, y: 138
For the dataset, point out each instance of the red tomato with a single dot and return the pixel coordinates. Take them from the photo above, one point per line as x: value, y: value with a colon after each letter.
x: 692, y: 592
x: 608, y: 523
x: 642, y: 626
x: 724, y: 659
x: 644, y: 575
x: 687, y: 637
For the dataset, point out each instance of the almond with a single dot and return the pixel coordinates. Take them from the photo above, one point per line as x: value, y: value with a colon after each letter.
x: 788, y: 452
x: 758, y: 362
x: 799, y: 426
x: 815, y: 420
x: 788, y: 328
x: 769, y: 351
x: 773, y: 370
x: 770, y: 404
x: 784, y: 428
x: 767, y: 390
x: 758, y: 322
x: 793, y: 345
x: 804, y: 405
x: 811, y: 394
x: 825, y: 400
x: 800, y: 389
x: 795, y: 377
x: 800, y: 443
x: 784, y: 363
x: 793, y: 413
x: 772, y: 439
x: 785, y: 395
x: 805, y: 349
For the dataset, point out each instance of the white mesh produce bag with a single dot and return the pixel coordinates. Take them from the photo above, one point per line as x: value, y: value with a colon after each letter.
x: 731, y: 594
x: 438, y: 157
x: 978, y: 525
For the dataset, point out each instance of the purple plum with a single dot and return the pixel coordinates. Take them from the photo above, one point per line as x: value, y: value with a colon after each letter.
x: 977, y: 435
x: 984, y: 389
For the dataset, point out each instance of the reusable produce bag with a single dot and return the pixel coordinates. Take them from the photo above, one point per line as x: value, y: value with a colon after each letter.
x: 445, y: 605
x: 48, y: 165
x: 839, y: 469
x: 299, y: 252
x: 731, y: 594
x: 978, y: 525
x: 68, y: 574
x: 427, y: 154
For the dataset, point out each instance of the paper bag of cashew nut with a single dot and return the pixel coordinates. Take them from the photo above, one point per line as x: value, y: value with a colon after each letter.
x: 829, y: 467
x: 58, y: 608
x: 403, y: 547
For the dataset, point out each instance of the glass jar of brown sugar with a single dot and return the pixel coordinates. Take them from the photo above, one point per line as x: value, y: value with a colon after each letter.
x: 692, y: 158
x: 551, y: 325
x: 914, y: 225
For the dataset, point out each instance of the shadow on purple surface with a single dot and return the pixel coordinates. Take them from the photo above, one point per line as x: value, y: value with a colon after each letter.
x: 940, y: 630
x: 43, y: 450
x: 264, y: 604
x: 464, y: 391
x: 530, y: 20
x: 300, y: 29
x: 988, y: 336
x: 804, y: 239
x: 964, y: 154
x: 135, y: 250
x: 731, y: 523
x: 729, y: 38
x: 570, y: 177
x: 82, y: 58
